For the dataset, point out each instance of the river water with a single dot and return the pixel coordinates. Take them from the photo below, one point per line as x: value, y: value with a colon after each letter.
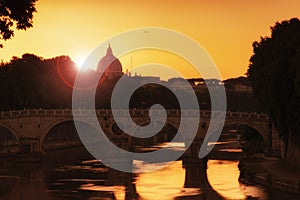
x: 74, y: 174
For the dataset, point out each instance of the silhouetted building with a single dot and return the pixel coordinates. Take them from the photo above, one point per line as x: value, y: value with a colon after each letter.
x: 109, y: 65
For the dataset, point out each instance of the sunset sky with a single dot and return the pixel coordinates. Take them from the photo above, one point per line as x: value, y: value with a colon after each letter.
x: 226, y: 29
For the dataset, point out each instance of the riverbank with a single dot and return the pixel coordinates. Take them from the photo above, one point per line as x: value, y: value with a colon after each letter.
x: 270, y: 172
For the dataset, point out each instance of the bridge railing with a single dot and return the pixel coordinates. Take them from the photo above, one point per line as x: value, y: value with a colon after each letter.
x: 254, y: 115
x: 133, y: 112
x: 34, y: 112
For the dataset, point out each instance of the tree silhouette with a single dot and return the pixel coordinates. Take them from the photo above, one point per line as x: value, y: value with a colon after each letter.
x: 15, y: 14
x: 274, y: 72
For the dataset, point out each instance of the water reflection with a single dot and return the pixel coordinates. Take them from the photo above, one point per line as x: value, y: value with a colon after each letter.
x: 73, y: 174
x: 223, y: 177
x: 196, y: 179
x: 162, y: 184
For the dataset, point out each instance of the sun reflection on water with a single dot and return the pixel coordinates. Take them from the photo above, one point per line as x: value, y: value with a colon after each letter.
x: 162, y: 184
x: 223, y: 176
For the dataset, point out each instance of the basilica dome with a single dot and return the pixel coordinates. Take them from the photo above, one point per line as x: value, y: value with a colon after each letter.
x: 109, y: 65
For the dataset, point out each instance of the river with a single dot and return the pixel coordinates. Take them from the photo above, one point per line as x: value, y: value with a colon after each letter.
x: 74, y: 174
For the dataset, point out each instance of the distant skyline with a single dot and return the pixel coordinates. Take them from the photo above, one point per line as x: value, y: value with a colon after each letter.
x: 226, y: 29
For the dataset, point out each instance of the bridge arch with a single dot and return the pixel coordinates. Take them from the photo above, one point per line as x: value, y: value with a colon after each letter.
x: 263, y: 131
x: 251, y: 138
x: 8, y: 136
x: 145, y: 122
x: 12, y: 131
x: 159, y: 137
x: 60, y: 122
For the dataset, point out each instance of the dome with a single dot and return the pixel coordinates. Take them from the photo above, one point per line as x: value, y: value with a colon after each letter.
x: 110, y: 65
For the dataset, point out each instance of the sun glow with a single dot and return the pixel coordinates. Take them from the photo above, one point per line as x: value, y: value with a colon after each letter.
x: 79, y: 60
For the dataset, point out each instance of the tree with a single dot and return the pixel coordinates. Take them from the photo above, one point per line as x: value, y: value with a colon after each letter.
x: 274, y: 72
x: 15, y: 15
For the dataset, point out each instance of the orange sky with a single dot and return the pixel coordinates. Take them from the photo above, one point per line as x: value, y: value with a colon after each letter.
x: 226, y: 29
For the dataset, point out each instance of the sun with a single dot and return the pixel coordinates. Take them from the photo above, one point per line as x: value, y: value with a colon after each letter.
x: 79, y: 60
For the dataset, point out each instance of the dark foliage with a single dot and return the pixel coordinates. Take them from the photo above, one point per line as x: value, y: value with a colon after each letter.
x: 15, y: 14
x: 33, y: 82
x: 274, y: 72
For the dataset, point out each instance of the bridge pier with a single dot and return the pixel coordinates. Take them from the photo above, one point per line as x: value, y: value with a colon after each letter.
x: 113, y: 156
x: 270, y: 139
x: 195, y: 172
x: 30, y: 145
x: 194, y: 148
x: 116, y: 177
x: 196, y: 178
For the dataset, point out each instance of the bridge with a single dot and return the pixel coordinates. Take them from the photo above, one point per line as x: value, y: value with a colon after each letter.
x: 32, y: 130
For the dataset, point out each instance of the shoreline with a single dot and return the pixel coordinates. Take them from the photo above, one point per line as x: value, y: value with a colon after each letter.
x: 269, y: 172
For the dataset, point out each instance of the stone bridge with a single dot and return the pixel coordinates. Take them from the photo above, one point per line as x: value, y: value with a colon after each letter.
x: 31, y: 127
